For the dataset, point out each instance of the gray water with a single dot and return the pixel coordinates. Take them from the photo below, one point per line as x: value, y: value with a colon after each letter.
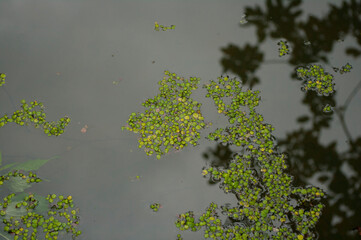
x: 96, y: 62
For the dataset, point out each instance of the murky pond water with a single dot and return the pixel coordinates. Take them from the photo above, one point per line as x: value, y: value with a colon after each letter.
x: 96, y: 62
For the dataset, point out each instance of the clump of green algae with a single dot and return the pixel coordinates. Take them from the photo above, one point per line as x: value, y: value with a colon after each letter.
x: 316, y: 79
x: 164, y: 28
x: 268, y: 206
x: 172, y: 120
x: 284, y: 48
x: 22, y: 214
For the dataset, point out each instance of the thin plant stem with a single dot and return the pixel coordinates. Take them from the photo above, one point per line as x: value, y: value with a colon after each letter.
x: 4, y: 237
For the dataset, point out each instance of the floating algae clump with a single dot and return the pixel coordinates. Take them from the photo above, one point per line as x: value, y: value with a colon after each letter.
x: 316, y: 79
x: 269, y: 207
x: 172, y: 119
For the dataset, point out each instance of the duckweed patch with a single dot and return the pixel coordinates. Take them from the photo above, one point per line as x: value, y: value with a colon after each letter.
x: 269, y: 207
x: 316, y: 79
x: 344, y: 69
x: 22, y: 214
x: 34, y: 113
x: 284, y: 48
x: 172, y: 119
x: 155, y: 207
x: 327, y: 108
x: 2, y: 78
x: 164, y: 28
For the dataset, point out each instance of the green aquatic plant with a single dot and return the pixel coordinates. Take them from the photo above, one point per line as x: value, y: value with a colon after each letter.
x: 316, y: 79
x: 173, y: 119
x: 284, y: 48
x: 2, y: 78
x: 344, y: 69
x: 23, y: 214
x: 34, y: 113
x: 164, y: 28
x: 269, y: 207
x: 155, y: 207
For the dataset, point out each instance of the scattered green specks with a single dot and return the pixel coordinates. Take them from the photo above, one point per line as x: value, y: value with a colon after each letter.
x: 344, y: 69
x: 284, y: 49
x: 327, y: 109
x: 164, y: 28
x: 316, y: 79
x: 2, y: 78
x: 135, y: 178
x: 155, y: 207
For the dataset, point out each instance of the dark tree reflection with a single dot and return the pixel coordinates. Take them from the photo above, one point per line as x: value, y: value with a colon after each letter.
x: 312, y: 40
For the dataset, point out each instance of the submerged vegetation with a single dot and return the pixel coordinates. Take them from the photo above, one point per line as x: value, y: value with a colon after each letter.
x: 28, y: 215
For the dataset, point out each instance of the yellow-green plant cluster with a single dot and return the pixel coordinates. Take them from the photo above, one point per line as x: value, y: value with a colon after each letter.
x: 172, y: 120
x: 284, y: 48
x: 2, y: 78
x: 22, y: 215
x: 269, y: 207
x: 316, y: 79
x: 34, y: 113
x: 164, y: 28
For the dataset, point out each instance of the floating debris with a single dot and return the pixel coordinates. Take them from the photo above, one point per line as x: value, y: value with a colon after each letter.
x: 84, y: 129
x: 243, y: 19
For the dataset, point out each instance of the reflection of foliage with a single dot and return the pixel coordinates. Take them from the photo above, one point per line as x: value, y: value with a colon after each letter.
x: 29, y: 114
x: 284, y: 48
x: 164, y: 28
x: 243, y: 62
x: 268, y: 206
x: 173, y: 118
x: 308, y: 157
x: 219, y: 157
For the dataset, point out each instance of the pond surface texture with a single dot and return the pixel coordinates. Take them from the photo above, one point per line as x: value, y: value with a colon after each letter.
x: 96, y: 62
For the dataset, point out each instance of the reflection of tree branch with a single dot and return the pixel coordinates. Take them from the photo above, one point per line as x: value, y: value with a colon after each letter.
x: 352, y: 94
x: 275, y: 61
x: 340, y: 111
x: 340, y: 115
